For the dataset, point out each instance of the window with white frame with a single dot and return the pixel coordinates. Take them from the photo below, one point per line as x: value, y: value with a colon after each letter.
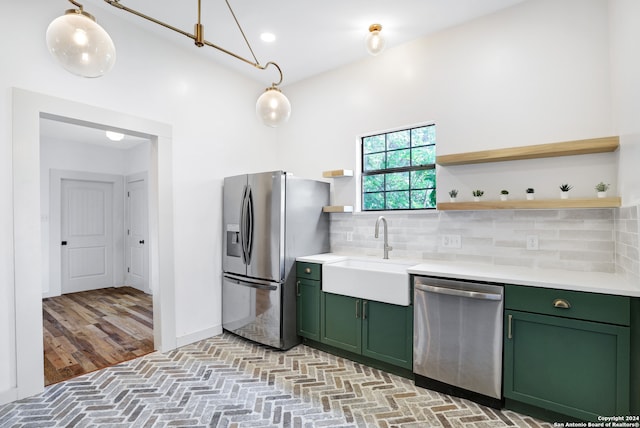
x: 398, y: 170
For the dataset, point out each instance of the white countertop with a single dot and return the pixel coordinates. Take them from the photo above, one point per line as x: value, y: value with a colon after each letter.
x: 593, y: 282
x: 322, y: 258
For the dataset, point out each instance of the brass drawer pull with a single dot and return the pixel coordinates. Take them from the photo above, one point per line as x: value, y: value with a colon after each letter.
x: 561, y: 304
x: 509, y: 326
x: 307, y: 270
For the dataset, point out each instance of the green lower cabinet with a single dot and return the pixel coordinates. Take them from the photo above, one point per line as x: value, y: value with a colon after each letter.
x: 572, y: 367
x: 376, y: 330
x: 341, y: 322
x: 387, y: 333
x: 308, y: 308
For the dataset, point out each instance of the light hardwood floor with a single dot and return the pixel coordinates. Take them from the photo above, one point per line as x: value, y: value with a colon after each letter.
x: 91, y: 330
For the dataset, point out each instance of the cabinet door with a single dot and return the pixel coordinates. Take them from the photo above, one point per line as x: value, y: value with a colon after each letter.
x: 341, y: 323
x: 573, y: 367
x: 308, y: 308
x: 387, y: 333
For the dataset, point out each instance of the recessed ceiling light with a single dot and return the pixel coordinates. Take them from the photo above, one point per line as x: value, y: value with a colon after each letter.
x: 268, y: 37
x: 114, y: 136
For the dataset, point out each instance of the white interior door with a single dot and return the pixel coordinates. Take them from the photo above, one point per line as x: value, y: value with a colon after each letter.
x: 87, y: 235
x: 136, y: 253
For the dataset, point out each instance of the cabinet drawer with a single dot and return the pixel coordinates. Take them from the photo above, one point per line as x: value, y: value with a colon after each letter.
x: 308, y: 270
x: 569, y: 304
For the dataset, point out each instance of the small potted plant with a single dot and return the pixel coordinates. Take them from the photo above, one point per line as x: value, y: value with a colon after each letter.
x: 504, y: 195
x: 530, y: 191
x: 602, y: 188
x: 477, y: 194
x: 564, y: 190
x: 453, y: 194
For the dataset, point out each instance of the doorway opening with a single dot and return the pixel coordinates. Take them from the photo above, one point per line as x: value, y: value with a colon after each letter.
x: 97, y: 305
x: 29, y: 273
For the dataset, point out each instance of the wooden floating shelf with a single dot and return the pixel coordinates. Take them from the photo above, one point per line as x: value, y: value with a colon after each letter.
x: 337, y: 209
x: 336, y: 173
x: 613, y: 202
x: 567, y: 148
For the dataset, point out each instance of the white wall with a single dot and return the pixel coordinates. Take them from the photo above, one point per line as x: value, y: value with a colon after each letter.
x: 136, y: 159
x: 534, y: 73
x: 82, y: 157
x: 625, y: 69
x: 216, y: 133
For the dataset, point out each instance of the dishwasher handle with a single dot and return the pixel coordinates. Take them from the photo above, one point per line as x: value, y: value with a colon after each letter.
x: 458, y: 293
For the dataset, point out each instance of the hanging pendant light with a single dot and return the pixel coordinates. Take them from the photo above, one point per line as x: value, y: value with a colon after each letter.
x: 374, y: 41
x: 272, y: 107
x: 84, y: 48
x: 80, y: 45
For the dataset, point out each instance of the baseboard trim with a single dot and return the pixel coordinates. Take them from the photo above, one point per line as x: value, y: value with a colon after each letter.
x: 190, y: 338
x: 8, y: 396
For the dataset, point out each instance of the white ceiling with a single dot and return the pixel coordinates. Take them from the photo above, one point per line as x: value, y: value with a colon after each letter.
x: 311, y: 37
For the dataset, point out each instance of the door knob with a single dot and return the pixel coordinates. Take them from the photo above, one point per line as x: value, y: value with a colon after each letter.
x: 63, y: 243
x: 142, y: 242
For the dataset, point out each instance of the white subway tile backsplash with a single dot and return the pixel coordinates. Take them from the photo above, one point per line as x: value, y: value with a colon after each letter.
x: 627, y: 242
x: 593, y: 240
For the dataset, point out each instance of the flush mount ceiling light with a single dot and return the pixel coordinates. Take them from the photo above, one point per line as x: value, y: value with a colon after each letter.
x: 374, y: 41
x: 80, y: 45
x: 114, y: 136
x: 273, y: 108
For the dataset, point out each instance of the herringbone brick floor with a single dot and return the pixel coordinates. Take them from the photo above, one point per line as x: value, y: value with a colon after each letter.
x: 227, y: 381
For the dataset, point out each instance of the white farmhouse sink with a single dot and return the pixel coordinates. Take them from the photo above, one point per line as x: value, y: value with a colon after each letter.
x: 381, y: 280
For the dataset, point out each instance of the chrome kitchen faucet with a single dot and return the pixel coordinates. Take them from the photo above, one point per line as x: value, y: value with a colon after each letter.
x: 386, y: 246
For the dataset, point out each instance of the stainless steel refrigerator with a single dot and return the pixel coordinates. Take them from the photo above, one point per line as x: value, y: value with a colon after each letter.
x: 269, y: 219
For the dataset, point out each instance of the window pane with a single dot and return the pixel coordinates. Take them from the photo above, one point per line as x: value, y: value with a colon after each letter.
x: 423, y: 155
x: 423, y: 199
x: 397, y: 181
x: 418, y: 199
x: 423, y: 179
x: 373, y: 183
x: 399, y: 158
x: 398, y: 140
x: 423, y: 136
x: 398, y: 200
x: 373, y: 162
x: 373, y: 144
x: 373, y: 201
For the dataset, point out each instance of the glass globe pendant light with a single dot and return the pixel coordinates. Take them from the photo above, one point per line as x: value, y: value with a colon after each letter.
x: 273, y: 108
x: 81, y: 45
x: 374, y: 41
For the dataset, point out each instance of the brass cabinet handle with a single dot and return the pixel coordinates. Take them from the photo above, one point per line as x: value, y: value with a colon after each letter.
x: 561, y: 304
x: 364, y: 310
x: 307, y: 270
x: 509, y: 329
x: 298, y: 288
x: 357, y: 308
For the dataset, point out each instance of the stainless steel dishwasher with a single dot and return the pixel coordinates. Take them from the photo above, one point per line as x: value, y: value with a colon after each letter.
x: 457, y: 338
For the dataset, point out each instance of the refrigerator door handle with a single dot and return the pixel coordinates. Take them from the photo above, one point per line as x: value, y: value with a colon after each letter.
x: 253, y: 283
x: 249, y: 225
x: 243, y: 225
